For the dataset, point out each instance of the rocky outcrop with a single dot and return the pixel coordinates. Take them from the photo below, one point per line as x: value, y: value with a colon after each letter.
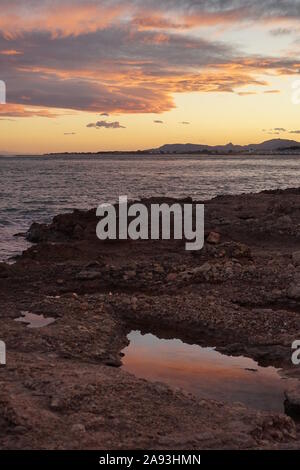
x: 63, y: 386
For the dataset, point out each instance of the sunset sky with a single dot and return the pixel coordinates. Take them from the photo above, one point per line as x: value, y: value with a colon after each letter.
x: 113, y: 74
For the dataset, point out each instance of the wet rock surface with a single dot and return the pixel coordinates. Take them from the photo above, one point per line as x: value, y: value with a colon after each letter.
x: 62, y: 386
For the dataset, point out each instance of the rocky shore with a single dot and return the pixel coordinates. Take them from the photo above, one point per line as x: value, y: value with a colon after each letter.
x: 63, y: 387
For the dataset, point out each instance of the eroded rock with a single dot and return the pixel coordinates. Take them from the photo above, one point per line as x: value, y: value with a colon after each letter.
x: 292, y: 402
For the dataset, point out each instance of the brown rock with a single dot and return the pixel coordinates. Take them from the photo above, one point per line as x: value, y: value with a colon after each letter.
x: 171, y: 277
x: 78, y: 429
x: 296, y: 258
x: 88, y: 275
x: 213, y: 238
x: 294, y: 292
x: 292, y: 401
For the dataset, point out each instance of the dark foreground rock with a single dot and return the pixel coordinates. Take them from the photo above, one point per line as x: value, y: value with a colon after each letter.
x: 292, y: 402
x: 63, y: 388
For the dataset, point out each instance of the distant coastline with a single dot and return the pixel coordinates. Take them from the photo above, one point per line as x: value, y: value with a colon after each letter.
x: 169, y: 154
x: 268, y: 147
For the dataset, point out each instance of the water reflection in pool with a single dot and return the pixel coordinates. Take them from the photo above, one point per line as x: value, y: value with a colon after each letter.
x: 35, y: 321
x: 204, y: 371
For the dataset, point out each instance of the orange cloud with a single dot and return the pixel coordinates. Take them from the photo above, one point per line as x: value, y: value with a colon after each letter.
x: 121, y: 57
x: 74, y: 17
x: 246, y: 93
x: 124, y: 87
x: 17, y: 110
x: 215, y: 18
x: 10, y: 52
x: 148, y: 20
x: 63, y: 20
x: 271, y: 91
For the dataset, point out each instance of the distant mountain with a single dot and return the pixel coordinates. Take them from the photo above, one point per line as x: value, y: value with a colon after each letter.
x: 274, y: 145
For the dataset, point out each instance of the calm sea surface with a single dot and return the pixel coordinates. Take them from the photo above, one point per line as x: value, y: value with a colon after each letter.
x: 37, y: 188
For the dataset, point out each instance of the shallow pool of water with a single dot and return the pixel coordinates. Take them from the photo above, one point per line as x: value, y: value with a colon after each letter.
x: 205, y: 372
x: 35, y: 321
